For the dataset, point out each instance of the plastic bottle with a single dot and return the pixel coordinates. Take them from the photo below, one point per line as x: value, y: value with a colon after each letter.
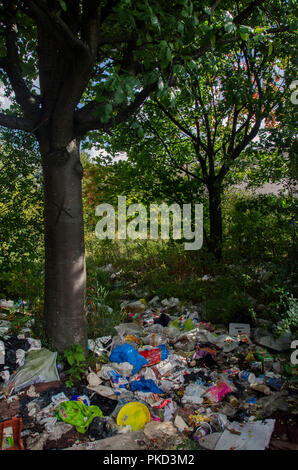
x: 261, y: 388
x: 233, y: 400
x: 247, y: 376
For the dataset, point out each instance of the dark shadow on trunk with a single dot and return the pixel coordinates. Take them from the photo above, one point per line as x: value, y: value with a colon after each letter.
x: 65, y: 272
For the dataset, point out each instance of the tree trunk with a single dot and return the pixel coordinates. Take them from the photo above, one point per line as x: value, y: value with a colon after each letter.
x: 215, y: 219
x: 65, y: 272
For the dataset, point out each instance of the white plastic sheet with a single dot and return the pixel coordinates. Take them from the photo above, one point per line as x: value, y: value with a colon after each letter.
x: 253, y: 436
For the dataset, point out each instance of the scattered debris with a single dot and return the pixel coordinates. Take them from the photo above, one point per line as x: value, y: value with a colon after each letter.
x: 166, y: 376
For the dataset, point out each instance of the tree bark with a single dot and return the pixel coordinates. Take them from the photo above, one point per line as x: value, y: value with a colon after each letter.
x: 65, y: 272
x: 215, y: 219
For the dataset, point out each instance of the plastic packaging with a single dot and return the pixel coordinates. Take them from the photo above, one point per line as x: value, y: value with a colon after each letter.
x: 59, y: 398
x: 144, y: 385
x: 10, y: 434
x: 183, y: 324
x: 156, y: 355
x: 123, y: 368
x: 81, y: 398
x: 217, y: 393
x: 153, y: 356
x: 194, y: 394
x: 154, y: 339
x: 126, y: 353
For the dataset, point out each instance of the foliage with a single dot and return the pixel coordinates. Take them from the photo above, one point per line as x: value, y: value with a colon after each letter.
x: 21, y: 217
x: 105, y: 59
x: 187, y: 144
x: 285, y: 312
x: 75, y: 358
x: 261, y: 226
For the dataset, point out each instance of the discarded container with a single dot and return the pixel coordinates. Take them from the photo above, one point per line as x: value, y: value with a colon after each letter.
x: 247, y: 376
x: 134, y: 414
x: 10, y: 434
x: 260, y: 388
x: 233, y: 400
x: 237, y: 328
x: 202, y: 431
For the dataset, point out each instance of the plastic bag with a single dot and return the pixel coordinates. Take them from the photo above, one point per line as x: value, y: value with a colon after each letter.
x: 156, y: 355
x: 40, y: 366
x: 182, y: 324
x: 126, y: 353
x: 217, y: 393
x: 125, y: 329
x: 144, y: 385
x: 78, y: 414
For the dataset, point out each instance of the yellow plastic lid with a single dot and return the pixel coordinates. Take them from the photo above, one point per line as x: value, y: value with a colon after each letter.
x: 134, y: 414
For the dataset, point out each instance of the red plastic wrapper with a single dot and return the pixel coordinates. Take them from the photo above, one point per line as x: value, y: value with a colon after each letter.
x: 153, y: 356
x: 11, y: 440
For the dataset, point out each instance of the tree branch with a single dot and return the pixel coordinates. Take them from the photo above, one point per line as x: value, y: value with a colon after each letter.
x: 175, y: 121
x: 11, y: 65
x: 11, y: 121
x: 86, y: 120
x: 57, y: 27
x: 171, y: 156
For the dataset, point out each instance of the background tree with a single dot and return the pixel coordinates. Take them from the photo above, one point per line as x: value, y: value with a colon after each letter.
x: 94, y: 63
x: 195, y: 137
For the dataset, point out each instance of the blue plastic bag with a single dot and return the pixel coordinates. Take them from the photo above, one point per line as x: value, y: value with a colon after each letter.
x: 145, y: 385
x: 127, y: 353
x: 164, y: 352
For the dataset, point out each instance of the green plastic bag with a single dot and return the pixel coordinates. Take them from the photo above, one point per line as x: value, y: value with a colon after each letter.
x: 187, y: 326
x: 78, y: 414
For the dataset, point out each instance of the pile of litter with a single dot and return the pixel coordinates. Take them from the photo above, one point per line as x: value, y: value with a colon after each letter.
x: 171, y: 379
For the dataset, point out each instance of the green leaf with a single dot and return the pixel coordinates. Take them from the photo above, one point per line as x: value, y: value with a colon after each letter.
x: 140, y: 131
x: 244, y: 36
x: 119, y: 95
x: 63, y: 5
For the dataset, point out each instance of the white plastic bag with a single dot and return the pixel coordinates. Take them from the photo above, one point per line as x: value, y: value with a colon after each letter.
x: 40, y: 366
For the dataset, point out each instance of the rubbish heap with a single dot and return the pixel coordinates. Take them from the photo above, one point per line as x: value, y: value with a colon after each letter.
x: 166, y: 380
